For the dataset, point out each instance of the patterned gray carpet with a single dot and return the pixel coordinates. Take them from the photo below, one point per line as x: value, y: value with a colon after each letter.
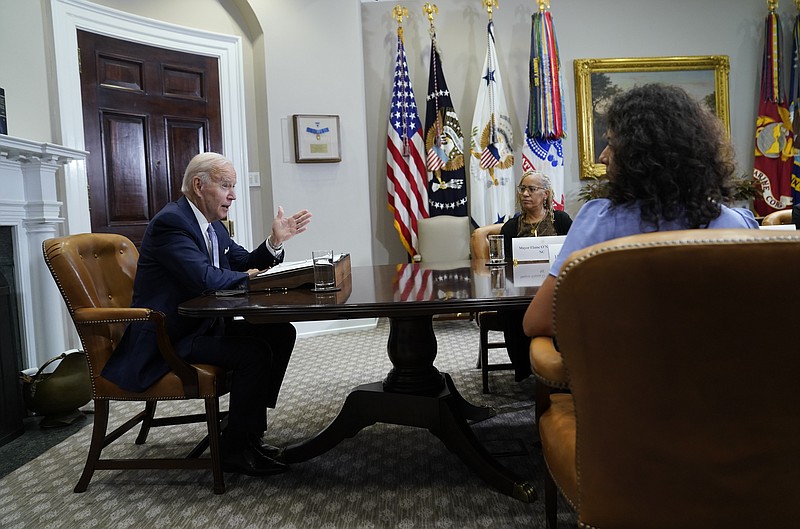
x: 385, y: 477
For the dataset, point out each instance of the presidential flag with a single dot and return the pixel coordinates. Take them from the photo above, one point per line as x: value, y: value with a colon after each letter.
x: 492, y: 184
x: 543, y: 150
x: 444, y: 143
x: 405, y: 157
x: 774, y: 146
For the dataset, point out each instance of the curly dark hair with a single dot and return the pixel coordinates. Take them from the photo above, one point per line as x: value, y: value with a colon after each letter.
x: 670, y: 155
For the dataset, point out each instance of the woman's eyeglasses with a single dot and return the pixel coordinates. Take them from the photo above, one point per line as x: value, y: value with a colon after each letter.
x: 529, y: 189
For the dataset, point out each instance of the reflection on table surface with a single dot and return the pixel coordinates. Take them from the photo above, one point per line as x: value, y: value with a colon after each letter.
x: 386, y: 290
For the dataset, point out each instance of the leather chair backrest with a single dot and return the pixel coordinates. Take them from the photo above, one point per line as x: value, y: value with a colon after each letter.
x: 777, y: 218
x: 94, y: 270
x: 687, y: 396
x: 443, y: 238
x: 479, y: 242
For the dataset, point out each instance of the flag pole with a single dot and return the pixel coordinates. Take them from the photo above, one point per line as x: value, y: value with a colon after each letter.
x: 490, y: 6
x: 428, y: 10
x: 398, y: 13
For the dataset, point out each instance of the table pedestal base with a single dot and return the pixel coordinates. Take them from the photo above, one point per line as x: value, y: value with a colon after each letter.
x: 444, y: 414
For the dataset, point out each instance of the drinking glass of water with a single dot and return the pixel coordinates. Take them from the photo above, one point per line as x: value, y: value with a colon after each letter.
x: 324, y: 277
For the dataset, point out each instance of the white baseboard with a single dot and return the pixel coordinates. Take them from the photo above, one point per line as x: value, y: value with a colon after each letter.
x: 315, y: 328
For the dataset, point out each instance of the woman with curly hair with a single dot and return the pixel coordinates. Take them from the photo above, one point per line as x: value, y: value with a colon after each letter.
x: 669, y: 166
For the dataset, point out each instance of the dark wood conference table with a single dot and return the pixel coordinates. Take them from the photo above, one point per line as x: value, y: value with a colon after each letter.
x: 414, y: 392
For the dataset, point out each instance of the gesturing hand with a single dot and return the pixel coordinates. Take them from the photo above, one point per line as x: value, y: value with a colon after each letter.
x: 284, y: 228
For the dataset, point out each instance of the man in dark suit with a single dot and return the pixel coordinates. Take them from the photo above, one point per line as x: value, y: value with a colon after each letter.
x: 185, y: 252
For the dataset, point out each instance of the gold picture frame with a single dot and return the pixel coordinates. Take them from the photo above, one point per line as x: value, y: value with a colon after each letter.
x: 597, y: 81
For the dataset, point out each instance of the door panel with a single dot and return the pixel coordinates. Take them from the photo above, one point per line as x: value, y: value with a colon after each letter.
x: 124, y: 149
x: 147, y: 111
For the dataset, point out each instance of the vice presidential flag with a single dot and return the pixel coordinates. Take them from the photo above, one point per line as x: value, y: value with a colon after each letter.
x: 492, y: 184
x: 405, y: 156
x: 543, y: 151
x: 444, y: 144
x: 774, y: 152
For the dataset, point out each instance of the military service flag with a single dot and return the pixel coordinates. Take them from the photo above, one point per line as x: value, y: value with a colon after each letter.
x: 774, y: 150
x: 543, y: 150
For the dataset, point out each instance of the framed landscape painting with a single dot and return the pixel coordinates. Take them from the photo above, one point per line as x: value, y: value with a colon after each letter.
x: 598, y: 81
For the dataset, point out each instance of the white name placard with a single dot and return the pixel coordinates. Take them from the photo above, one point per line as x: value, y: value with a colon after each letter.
x: 534, y: 249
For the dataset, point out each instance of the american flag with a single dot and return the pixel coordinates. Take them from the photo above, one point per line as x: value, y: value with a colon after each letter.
x: 405, y: 157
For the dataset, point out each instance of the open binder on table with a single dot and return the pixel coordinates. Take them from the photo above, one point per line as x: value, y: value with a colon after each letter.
x: 297, y: 274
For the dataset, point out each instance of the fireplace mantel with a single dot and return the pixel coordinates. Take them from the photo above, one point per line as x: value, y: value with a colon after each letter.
x: 29, y: 205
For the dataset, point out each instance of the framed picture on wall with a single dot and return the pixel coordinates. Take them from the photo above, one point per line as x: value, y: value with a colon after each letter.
x: 316, y: 138
x: 598, y: 81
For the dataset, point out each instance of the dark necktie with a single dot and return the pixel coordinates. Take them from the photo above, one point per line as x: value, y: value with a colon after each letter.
x: 212, y: 235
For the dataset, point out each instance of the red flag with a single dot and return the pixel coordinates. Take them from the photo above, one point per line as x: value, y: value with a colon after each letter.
x: 405, y: 156
x: 774, y: 150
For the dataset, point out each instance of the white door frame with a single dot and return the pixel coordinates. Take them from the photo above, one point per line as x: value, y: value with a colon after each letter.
x: 67, y: 17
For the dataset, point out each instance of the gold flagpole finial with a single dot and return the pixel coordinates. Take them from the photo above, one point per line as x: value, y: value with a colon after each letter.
x: 772, y: 5
x: 398, y: 13
x: 429, y: 9
x: 545, y: 5
x: 490, y: 5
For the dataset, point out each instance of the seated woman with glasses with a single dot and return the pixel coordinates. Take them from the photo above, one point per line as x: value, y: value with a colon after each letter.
x: 537, y: 218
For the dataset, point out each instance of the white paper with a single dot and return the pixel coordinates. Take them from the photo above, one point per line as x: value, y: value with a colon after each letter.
x: 288, y: 266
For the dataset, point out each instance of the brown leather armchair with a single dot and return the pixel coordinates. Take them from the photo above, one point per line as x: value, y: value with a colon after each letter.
x: 487, y: 320
x: 777, y: 218
x: 95, y: 272
x: 684, y: 409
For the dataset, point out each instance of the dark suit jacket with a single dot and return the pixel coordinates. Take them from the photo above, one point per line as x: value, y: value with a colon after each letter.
x: 174, y: 266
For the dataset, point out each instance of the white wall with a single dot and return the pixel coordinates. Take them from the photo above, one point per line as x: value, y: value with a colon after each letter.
x: 314, y: 65
x: 24, y: 73
x: 585, y: 29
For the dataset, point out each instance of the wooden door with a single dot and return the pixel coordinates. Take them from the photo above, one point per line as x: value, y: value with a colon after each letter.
x: 146, y: 112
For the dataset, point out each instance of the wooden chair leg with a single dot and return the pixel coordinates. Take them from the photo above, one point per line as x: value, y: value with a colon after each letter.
x: 147, y: 421
x: 484, y: 359
x: 550, y: 501
x: 213, y: 422
x: 100, y: 424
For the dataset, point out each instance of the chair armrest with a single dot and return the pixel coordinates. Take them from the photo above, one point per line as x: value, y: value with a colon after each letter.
x: 110, y: 315
x: 547, y: 364
x: 104, y: 316
x: 548, y: 368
